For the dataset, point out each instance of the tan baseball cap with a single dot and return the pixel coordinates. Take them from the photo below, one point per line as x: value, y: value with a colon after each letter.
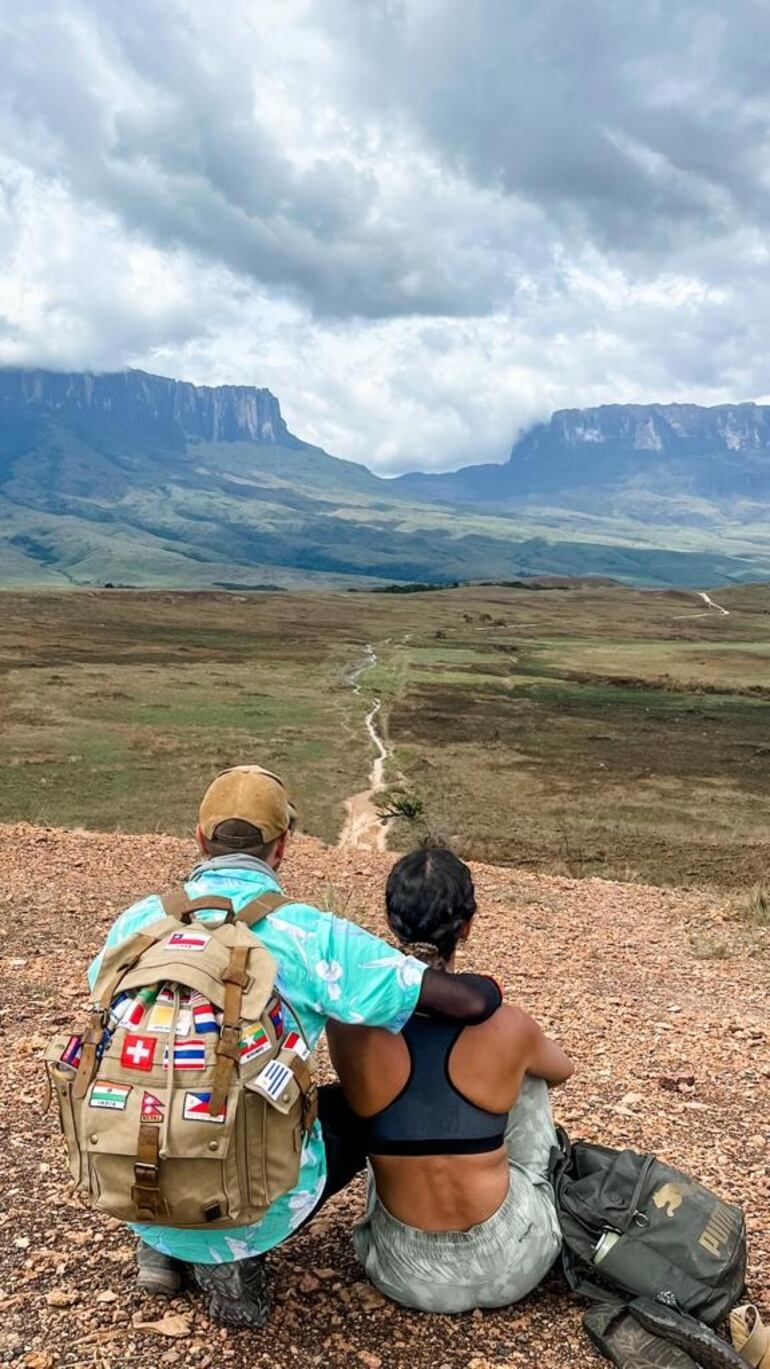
x: 250, y: 794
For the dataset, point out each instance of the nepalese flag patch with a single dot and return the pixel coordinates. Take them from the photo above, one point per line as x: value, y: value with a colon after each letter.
x: 152, y: 1108
x: 188, y: 1055
x: 196, y: 1109
x: 275, y: 1013
x: 204, y: 1017
x: 111, y: 1096
x: 188, y: 941
x: 72, y: 1052
x: 138, y: 1052
x: 254, y: 1041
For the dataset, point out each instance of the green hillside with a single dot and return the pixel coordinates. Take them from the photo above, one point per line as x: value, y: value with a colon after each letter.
x: 135, y: 480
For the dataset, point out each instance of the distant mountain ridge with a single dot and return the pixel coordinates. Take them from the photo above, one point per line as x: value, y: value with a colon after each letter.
x: 138, y: 479
x: 637, y: 450
x: 174, y: 408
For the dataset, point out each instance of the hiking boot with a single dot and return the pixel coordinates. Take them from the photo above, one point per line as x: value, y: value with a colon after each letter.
x: 158, y: 1273
x: 237, y: 1292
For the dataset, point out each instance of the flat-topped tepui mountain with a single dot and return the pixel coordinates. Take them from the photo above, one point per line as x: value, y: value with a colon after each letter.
x: 137, y: 479
x: 630, y: 453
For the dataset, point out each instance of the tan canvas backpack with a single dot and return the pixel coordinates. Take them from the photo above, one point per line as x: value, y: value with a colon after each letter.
x: 191, y: 1110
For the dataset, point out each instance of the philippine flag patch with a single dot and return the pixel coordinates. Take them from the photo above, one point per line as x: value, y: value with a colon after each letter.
x: 188, y: 1055
x: 188, y: 941
x: 196, y: 1109
x: 138, y: 1052
x: 112, y: 1096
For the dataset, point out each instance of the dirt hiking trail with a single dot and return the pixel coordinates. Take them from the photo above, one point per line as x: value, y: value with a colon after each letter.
x: 672, y: 1053
x: 363, y: 828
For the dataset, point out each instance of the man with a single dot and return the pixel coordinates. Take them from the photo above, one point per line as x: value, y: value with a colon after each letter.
x: 327, y: 968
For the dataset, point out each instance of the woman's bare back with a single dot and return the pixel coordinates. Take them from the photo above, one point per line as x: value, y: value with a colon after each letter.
x: 445, y: 1192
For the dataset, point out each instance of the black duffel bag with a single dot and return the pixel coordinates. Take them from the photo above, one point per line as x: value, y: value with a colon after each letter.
x: 634, y: 1225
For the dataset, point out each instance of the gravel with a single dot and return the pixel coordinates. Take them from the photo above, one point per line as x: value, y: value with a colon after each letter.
x: 673, y: 1056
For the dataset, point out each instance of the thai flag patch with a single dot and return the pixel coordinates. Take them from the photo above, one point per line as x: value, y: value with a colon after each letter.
x: 196, y: 1109
x: 204, y: 1018
x: 188, y: 941
x: 138, y: 1053
x: 188, y: 1055
x: 72, y: 1052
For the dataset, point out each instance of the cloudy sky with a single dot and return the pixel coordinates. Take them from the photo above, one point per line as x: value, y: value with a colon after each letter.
x: 422, y: 223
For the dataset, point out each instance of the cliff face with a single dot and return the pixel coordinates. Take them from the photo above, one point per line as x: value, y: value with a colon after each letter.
x: 626, y: 454
x: 673, y: 428
x: 147, y: 403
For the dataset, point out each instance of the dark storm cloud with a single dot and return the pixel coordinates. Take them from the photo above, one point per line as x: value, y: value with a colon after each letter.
x: 633, y: 127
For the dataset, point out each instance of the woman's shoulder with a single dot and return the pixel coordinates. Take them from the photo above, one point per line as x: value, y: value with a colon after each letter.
x: 510, y: 1025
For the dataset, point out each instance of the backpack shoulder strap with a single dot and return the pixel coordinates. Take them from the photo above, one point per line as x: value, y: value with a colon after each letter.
x: 259, y: 908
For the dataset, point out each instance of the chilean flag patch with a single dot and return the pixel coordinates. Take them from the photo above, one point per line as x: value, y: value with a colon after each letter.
x: 188, y: 941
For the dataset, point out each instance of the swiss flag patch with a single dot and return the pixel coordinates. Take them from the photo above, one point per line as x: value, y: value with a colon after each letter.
x: 138, y: 1053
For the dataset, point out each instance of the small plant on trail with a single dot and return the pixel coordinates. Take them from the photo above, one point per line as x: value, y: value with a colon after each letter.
x: 756, y: 909
x: 400, y: 803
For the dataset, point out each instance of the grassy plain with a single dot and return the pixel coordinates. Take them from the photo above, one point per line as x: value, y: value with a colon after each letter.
x: 588, y: 730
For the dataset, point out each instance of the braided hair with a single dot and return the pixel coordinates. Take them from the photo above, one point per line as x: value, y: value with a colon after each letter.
x: 429, y: 897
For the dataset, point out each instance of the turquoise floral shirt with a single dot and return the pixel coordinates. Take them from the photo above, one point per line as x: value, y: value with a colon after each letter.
x: 327, y: 967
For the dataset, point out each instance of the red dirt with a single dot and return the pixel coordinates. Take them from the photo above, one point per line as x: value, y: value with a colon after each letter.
x: 607, y: 967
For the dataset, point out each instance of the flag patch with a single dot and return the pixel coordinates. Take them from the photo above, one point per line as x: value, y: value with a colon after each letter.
x: 138, y: 1053
x: 188, y: 941
x: 204, y: 1018
x: 254, y: 1041
x: 112, y: 1096
x: 161, y: 1017
x: 141, y: 1002
x: 275, y: 1013
x: 72, y: 1052
x: 188, y: 1055
x: 196, y: 1109
x: 152, y: 1108
x: 295, y: 1043
x: 274, y: 1078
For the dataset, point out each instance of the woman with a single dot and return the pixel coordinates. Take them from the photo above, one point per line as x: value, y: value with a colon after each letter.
x: 457, y: 1124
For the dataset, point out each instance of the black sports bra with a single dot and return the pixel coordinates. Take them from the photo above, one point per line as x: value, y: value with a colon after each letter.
x: 430, y: 1116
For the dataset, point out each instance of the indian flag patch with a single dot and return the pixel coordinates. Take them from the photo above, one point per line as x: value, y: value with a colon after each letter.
x: 112, y: 1096
x: 254, y: 1041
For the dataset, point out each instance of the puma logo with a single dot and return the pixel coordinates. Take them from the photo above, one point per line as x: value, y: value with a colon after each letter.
x: 669, y: 1197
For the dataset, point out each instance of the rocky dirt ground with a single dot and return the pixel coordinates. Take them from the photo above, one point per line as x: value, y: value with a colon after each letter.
x: 608, y: 968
